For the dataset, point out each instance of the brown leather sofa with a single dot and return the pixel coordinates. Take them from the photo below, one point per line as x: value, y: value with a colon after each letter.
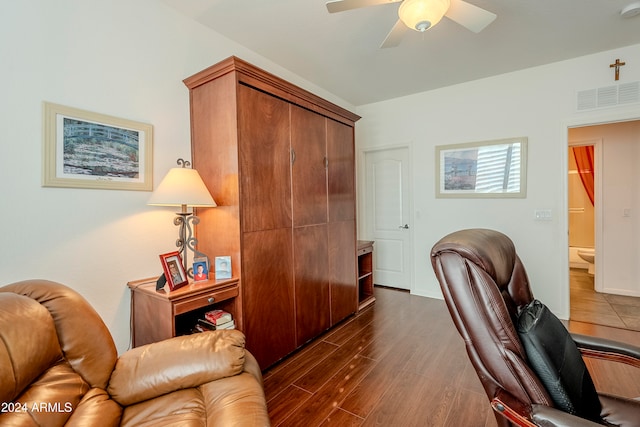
x: 59, y: 367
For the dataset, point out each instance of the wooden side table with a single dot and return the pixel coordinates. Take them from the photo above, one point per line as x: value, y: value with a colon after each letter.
x: 365, y: 273
x: 158, y: 315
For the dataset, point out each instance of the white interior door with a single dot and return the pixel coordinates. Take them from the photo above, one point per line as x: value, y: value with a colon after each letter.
x: 387, y: 213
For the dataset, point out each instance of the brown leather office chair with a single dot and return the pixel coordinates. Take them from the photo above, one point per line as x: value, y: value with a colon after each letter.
x: 487, y: 292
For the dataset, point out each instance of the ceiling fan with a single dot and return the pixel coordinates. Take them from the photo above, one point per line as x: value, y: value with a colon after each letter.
x: 420, y: 15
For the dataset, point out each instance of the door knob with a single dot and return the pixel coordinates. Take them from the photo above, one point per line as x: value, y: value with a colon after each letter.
x: 406, y: 226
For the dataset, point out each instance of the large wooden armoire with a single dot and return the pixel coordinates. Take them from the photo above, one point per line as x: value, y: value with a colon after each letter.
x: 279, y: 162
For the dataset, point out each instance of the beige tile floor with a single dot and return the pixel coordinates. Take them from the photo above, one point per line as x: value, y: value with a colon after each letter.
x: 590, y: 306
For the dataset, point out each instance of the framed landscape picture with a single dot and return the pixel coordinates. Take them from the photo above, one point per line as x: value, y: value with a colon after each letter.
x: 90, y: 150
x: 482, y: 169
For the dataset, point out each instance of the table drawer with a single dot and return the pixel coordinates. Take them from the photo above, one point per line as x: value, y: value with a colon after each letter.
x: 204, y: 300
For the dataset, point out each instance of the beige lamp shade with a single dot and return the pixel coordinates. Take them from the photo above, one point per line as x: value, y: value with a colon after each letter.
x: 420, y: 15
x: 182, y: 187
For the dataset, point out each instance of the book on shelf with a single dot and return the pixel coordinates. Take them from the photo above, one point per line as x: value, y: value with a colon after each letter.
x: 218, y: 317
x: 215, y: 319
x: 227, y: 325
x: 204, y: 324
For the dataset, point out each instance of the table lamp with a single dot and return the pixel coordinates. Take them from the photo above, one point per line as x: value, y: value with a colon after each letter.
x: 183, y: 186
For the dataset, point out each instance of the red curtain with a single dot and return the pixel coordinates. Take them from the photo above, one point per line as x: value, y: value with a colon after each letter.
x: 584, y: 160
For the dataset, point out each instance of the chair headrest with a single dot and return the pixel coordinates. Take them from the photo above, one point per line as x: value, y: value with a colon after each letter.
x: 493, y: 251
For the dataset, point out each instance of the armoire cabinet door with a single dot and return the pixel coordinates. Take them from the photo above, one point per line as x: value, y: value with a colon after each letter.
x: 268, y: 294
x: 342, y: 232
x: 342, y: 266
x: 340, y: 152
x: 309, y: 173
x: 311, y: 261
x: 264, y: 156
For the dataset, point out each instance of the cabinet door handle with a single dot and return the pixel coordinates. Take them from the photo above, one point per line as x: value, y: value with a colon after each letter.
x: 211, y: 300
x: 293, y: 156
x: 326, y: 163
x: 406, y: 226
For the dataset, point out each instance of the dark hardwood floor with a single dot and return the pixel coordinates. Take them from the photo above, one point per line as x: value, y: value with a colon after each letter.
x: 400, y: 362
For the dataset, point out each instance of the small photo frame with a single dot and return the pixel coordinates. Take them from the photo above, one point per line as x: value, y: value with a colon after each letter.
x: 173, y: 270
x: 200, y: 270
x: 223, y: 267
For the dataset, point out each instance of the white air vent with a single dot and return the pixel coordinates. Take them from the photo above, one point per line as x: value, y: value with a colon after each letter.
x: 587, y: 99
x: 629, y: 92
x: 608, y: 96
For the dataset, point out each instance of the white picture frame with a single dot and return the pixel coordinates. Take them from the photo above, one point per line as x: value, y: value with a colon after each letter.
x: 486, y: 169
x: 82, y: 149
x: 223, y: 267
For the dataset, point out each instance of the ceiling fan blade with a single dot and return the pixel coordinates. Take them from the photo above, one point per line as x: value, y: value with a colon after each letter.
x: 394, y: 37
x: 469, y: 16
x: 342, y: 5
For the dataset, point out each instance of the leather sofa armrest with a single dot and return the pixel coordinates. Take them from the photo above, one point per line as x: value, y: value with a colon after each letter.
x: 188, y: 361
x: 251, y: 366
x: 602, y: 348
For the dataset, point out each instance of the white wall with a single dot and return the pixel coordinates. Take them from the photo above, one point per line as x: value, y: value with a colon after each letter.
x: 118, y: 57
x: 539, y: 103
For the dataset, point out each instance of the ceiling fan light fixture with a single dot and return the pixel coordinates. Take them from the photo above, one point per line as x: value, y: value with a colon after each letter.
x: 631, y: 10
x: 420, y: 15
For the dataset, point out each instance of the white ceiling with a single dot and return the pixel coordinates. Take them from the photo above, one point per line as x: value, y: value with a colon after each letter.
x: 339, y: 52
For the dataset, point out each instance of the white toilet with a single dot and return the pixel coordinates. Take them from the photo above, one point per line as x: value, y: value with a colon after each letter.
x: 589, y: 255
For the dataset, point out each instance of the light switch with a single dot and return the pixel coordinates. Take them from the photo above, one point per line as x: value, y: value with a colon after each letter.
x: 543, y: 215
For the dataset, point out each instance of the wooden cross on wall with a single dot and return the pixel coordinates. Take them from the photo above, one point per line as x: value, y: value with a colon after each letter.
x: 617, y: 66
